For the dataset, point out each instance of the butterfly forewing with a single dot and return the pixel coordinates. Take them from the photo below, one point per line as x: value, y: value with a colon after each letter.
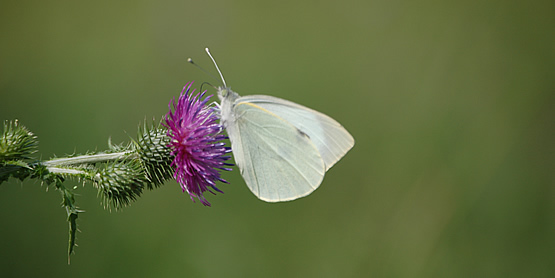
x: 329, y: 137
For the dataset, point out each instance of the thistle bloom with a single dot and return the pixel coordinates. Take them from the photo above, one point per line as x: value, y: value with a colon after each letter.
x: 195, y: 142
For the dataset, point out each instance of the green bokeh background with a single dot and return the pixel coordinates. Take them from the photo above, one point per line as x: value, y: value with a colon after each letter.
x: 451, y: 104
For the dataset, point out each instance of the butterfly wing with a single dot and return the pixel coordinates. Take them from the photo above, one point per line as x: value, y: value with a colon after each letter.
x: 278, y: 161
x: 330, y: 138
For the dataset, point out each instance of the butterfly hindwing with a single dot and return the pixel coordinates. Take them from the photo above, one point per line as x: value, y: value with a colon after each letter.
x: 278, y: 161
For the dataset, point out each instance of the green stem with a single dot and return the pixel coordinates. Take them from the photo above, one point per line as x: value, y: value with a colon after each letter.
x: 65, y: 171
x: 85, y: 159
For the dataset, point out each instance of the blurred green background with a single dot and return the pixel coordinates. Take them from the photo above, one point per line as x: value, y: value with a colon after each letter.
x: 451, y: 104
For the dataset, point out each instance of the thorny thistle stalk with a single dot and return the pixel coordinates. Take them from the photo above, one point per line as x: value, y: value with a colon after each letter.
x: 186, y: 146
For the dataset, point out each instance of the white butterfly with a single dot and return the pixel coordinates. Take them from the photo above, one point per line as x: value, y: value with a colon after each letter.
x: 282, y: 149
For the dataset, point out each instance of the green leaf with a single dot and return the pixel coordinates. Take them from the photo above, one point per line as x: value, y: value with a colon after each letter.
x: 17, y: 169
x: 72, y: 219
x: 68, y: 202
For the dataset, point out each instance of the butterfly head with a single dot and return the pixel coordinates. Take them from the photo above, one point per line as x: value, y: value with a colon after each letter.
x: 226, y: 94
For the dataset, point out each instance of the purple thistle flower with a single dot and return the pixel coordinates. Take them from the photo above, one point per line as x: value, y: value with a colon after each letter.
x: 195, y: 135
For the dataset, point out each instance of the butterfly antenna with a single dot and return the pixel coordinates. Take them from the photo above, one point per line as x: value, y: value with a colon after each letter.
x: 206, y: 83
x: 217, y: 68
x: 189, y: 60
